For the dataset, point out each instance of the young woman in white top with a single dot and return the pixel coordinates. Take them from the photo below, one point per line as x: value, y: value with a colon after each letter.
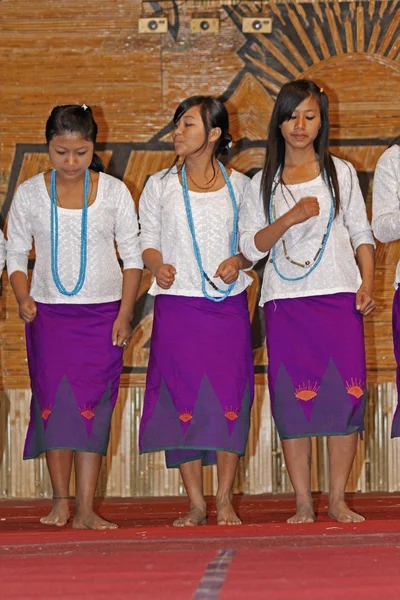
x: 199, y: 386
x: 311, y: 221
x: 386, y: 226
x: 79, y: 307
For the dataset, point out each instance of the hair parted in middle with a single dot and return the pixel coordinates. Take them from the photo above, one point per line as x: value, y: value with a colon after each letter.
x: 290, y: 96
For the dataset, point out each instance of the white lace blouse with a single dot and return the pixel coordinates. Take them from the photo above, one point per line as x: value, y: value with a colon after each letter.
x: 111, y: 218
x: 164, y: 227
x: 386, y: 199
x: 337, y: 270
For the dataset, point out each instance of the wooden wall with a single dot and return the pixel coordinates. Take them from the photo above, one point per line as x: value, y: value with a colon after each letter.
x: 58, y: 52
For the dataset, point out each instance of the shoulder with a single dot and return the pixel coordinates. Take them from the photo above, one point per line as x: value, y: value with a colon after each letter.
x: 112, y: 184
x: 239, y: 179
x: 31, y: 190
x: 344, y: 168
x: 255, y: 183
x: 31, y: 184
x: 390, y: 157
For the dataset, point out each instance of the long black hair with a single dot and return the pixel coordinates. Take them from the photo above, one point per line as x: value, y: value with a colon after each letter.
x: 213, y: 114
x: 290, y: 96
x: 72, y: 118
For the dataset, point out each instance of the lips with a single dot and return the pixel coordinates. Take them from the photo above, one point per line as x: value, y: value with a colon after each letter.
x: 71, y: 172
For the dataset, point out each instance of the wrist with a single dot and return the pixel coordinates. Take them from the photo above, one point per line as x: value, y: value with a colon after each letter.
x: 126, y: 315
x: 22, y: 298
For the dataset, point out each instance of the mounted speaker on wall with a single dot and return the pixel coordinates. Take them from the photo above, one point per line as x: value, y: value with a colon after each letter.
x: 153, y: 25
x: 257, y: 25
x: 204, y: 24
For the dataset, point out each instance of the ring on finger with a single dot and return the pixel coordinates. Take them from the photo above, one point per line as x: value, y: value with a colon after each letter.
x: 125, y: 342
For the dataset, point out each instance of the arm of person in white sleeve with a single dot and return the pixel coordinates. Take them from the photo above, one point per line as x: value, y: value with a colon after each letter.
x: 252, y: 220
x: 127, y: 238
x: 354, y: 210
x: 19, y: 244
x: 150, y: 232
x: 386, y: 197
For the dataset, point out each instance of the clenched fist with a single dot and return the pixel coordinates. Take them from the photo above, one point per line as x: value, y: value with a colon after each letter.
x: 305, y: 208
x: 165, y: 276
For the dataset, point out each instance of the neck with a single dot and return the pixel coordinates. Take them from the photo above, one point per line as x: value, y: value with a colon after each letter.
x: 69, y: 184
x: 295, y: 157
x: 202, y: 165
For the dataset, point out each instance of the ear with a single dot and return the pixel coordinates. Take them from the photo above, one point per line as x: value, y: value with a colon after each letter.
x: 215, y: 134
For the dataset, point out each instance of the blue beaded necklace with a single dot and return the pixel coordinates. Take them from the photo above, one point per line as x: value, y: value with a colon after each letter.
x: 318, y: 256
x: 234, y: 240
x: 54, y: 237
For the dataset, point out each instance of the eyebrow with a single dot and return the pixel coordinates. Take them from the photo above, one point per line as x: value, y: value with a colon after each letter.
x: 65, y: 147
x: 308, y: 110
x: 188, y: 117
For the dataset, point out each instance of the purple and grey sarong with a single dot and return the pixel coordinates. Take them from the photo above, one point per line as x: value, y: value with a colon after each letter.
x: 199, y: 388
x: 74, y: 371
x: 316, y: 371
x: 396, y: 343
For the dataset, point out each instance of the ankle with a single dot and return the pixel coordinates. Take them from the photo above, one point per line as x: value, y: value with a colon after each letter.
x: 304, y: 500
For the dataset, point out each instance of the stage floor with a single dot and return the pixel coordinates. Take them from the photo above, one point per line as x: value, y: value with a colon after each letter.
x: 147, y: 558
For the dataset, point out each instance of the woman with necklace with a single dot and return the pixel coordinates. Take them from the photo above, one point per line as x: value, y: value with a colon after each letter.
x: 79, y: 307
x: 311, y: 219
x: 386, y: 226
x: 199, y: 386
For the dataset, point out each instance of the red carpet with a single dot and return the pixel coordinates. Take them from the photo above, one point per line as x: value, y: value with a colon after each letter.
x: 147, y: 558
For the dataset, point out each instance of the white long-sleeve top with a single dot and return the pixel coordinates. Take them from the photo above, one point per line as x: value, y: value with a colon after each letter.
x: 337, y: 270
x: 164, y: 227
x: 111, y: 218
x: 2, y: 252
x: 386, y: 199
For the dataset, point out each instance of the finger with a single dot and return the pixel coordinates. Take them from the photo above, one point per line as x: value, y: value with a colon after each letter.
x: 114, y: 336
x: 359, y: 300
x: 218, y: 272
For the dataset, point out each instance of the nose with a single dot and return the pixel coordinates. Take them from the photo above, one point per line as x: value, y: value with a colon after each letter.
x: 70, y: 158
x: 300, y: 122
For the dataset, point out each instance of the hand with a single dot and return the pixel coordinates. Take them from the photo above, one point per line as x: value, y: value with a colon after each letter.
x: 364, y: 301
x: 228, y: 270
x: 27, y: 309
x: 165, y: 276
x: 305, y: 208
x: 122, y: 331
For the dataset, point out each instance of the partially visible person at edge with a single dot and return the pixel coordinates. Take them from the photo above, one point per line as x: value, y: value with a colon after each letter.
x: 386, y: 226
x: 2, y: 252
x: 199, y: 388
x: 311, y: 221
x: 78, y: 311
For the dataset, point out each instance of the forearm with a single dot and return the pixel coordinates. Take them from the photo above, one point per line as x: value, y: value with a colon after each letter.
x: 266, y: 238
x: 130, y: 287
x: 19, y: 284
x: 243, y: 263
x: 366, y: 261
x: 152, y: 259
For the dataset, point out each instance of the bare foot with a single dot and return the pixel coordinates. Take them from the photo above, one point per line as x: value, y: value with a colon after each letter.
x: 341, y: 513
x: 92, y: 521
x: 196, y: 516
x: 225, y: 513
x: 59, y: 514
x: 304, y: 514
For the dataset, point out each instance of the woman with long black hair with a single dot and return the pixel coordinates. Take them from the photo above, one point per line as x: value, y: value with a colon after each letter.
x: 199, y: 387
x: 311, y: 220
